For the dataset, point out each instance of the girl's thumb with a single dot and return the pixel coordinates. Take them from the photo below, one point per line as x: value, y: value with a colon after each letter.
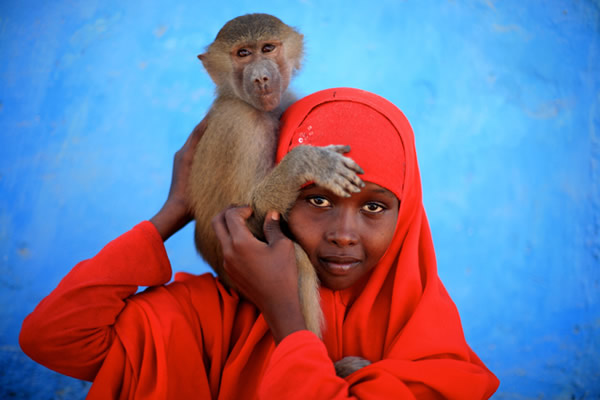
x: 271, y: 227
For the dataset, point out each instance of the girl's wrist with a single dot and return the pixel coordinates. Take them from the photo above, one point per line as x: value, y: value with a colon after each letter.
x: 171, y: 218
x: 284, y: 318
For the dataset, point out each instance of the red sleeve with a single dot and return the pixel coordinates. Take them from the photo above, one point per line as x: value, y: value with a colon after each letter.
x: 300, y: 368
x: 72, y: 329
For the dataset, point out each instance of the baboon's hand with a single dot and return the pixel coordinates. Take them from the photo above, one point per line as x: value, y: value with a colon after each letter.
x: 329, y: 168
x: 350, y: 364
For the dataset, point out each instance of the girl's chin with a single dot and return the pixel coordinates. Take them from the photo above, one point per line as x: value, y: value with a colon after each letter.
x: 337, y: 282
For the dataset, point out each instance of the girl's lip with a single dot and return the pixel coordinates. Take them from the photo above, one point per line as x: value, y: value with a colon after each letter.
x: 339, y: 265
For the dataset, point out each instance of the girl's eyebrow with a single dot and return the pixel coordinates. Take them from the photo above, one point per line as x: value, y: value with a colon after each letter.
x: 374, y: 190
x: 309, y: 186
x: 382, y: 191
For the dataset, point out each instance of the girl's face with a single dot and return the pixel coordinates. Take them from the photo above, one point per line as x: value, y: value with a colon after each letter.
x: 344, y: 237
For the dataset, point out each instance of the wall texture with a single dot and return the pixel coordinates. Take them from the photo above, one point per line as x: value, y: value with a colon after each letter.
x: 504, y: 98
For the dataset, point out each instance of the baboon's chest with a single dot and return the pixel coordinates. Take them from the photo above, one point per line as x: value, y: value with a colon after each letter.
x: 256, y: 156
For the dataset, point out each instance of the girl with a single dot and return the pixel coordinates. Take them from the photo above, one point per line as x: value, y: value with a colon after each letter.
x: 381, y: 296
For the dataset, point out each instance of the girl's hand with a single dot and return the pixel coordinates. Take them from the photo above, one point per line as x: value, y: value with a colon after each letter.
x: 264, y: 273
x: 176, y: 212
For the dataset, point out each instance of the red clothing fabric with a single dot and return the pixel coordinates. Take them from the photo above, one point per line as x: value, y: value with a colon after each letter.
x: 194, y: 339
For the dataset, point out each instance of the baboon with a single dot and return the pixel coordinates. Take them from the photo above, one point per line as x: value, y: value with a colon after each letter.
x: 252, y: 61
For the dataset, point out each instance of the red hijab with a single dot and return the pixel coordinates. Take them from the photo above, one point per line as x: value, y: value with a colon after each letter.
x: 403, y: 313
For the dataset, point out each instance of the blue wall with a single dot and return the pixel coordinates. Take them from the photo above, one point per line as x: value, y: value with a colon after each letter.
x: 504, y: 98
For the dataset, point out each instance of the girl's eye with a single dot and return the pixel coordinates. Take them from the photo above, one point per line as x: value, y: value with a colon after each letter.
x: 267, y: 48
x: 318, y: 201
x: 373, y: 208
x: 243, y: 52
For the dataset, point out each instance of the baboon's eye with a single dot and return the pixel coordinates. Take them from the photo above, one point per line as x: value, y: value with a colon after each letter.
x: 243, y: 52
x: 267, y: 48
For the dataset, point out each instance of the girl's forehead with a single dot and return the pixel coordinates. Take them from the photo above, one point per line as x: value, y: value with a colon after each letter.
x: 375, y: 188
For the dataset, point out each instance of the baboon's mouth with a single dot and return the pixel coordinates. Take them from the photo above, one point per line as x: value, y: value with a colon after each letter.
x: 269, y: 100
x: 266, y: 92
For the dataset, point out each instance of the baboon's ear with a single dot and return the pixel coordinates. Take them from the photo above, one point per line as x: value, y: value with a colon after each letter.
x: 208, y: 62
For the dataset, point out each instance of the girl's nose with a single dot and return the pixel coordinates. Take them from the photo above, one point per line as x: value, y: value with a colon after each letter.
x: 343, y: 230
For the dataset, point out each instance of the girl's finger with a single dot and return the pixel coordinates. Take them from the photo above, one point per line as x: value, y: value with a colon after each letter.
x: 219, y: 225
x: 271, y: 227
x: 235, y: 218
x: 197, y: 133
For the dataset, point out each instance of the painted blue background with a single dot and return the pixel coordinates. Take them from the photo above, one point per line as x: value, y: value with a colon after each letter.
x: 504, y: 96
